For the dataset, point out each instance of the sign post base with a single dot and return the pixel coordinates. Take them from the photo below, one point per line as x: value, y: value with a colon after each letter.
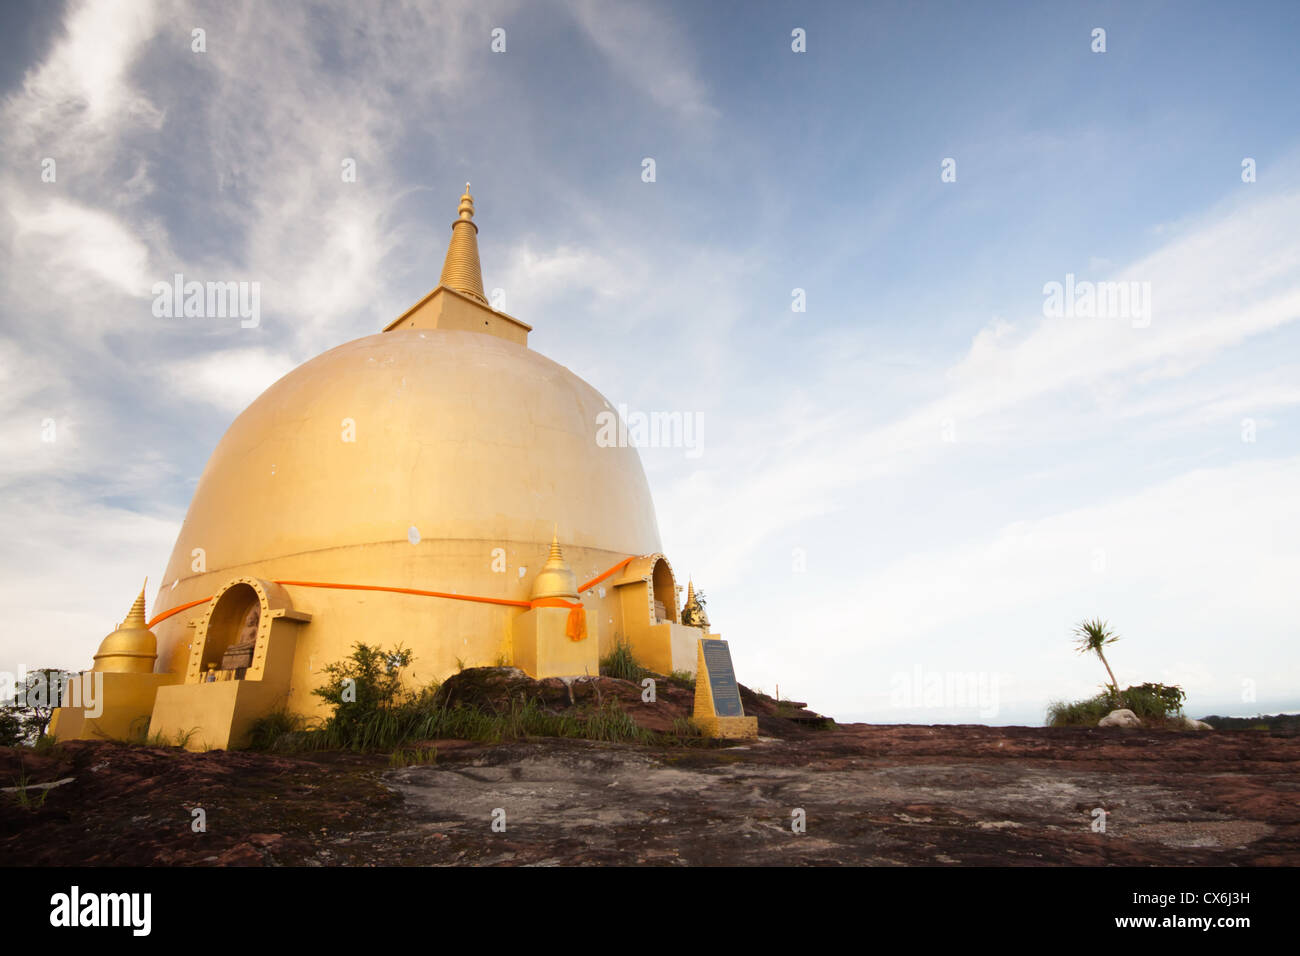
x: 718, y: 711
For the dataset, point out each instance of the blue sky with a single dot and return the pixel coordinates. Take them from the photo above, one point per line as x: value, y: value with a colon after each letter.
x: 960, y: 476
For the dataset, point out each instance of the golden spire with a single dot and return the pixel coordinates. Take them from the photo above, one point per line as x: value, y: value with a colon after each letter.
x: 461, y: 271
x: 132, y: 648
x: 556, y: 579
x: 135, y: 616
x: 692, y: 612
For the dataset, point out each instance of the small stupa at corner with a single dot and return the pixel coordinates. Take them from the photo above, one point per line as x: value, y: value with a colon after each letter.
x: 408, y: 487
x: 132, y: 648
x: 115, y: 699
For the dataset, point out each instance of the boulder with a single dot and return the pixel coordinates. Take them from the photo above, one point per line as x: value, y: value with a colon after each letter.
x: 1120, y: 718
x: 1190, y: 724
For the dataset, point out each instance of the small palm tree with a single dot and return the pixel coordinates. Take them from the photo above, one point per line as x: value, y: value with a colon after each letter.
x: 1092, y: 636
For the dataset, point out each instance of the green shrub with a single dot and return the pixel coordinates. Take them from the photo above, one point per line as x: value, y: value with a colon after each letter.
x: 1154, y: 701
x: 1150, y: 702
x: 11, y: 727
x: 368, y: 697
x: 1080, y: 713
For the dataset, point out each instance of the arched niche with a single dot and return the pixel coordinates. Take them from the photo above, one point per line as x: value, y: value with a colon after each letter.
x: 226, y: 624
x: 663, y: 591
x: 646, y: 584
x: 224, y: 618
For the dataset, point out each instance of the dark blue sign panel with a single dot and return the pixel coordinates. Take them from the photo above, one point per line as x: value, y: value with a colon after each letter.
x: 722, y: 679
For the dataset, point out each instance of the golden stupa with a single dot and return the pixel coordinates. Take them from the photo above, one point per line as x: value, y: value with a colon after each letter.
x: 405, y: 488
x: 132, y: 648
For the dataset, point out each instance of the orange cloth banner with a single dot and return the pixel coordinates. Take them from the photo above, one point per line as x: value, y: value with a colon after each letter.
x: 378, y: 587
x: 576, y: 625
x: 596, y: 580
x: 159, y: 618
x: 575, y: 628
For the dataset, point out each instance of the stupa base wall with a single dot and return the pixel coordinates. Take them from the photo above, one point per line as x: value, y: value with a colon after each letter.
x: 544, y: 649
x: 216, y: 715
x: 125, y: 707
x: 727, y: 727
x: 666, y: 647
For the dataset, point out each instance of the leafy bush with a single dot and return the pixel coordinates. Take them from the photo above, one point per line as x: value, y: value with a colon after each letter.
x: 1154, y: 703
x: 1080, y: 713
x: 367, y: 693
x: 11, y: 727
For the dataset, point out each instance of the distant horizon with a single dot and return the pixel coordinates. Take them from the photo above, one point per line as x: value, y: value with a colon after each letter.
x: 1011, y: 722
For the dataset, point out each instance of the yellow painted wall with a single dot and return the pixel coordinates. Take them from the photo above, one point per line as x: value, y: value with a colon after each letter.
x: 212, y: 716
x: 543, y: 649
x: 128, y: 702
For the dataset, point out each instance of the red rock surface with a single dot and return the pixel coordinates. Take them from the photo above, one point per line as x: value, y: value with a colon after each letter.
x: 871, y: 795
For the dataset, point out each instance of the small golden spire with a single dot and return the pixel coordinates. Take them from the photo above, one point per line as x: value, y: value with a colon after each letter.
x: 693, y: 614
x: 461, y: 271
x: 556, y: 579
x: 135, y: 616
x: 132, y: 648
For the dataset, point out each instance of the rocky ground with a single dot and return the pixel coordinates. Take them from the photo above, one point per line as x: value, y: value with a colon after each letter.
x: 879, y: 795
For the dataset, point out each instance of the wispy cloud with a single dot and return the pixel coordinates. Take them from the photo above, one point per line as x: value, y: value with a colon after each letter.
x: 649, y: 52
x: 229, y: 379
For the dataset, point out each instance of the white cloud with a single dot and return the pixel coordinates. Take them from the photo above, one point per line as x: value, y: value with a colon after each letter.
x: 647, y: 50
x: 1007, y: 383
x: 63, y: 242
x: 230, y: 379
x: 82, y: 88
x: 72, y: 566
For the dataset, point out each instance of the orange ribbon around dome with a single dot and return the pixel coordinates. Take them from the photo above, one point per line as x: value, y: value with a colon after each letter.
x: 575, y: 627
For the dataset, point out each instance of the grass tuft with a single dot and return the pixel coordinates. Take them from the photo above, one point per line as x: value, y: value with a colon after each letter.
x: 620, y: 662
x: 24, y: 793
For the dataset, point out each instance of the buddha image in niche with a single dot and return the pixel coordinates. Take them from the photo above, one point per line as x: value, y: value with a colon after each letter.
x: 240, y: 654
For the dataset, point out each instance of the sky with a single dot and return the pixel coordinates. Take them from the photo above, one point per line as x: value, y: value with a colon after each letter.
x: 914, y: 475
